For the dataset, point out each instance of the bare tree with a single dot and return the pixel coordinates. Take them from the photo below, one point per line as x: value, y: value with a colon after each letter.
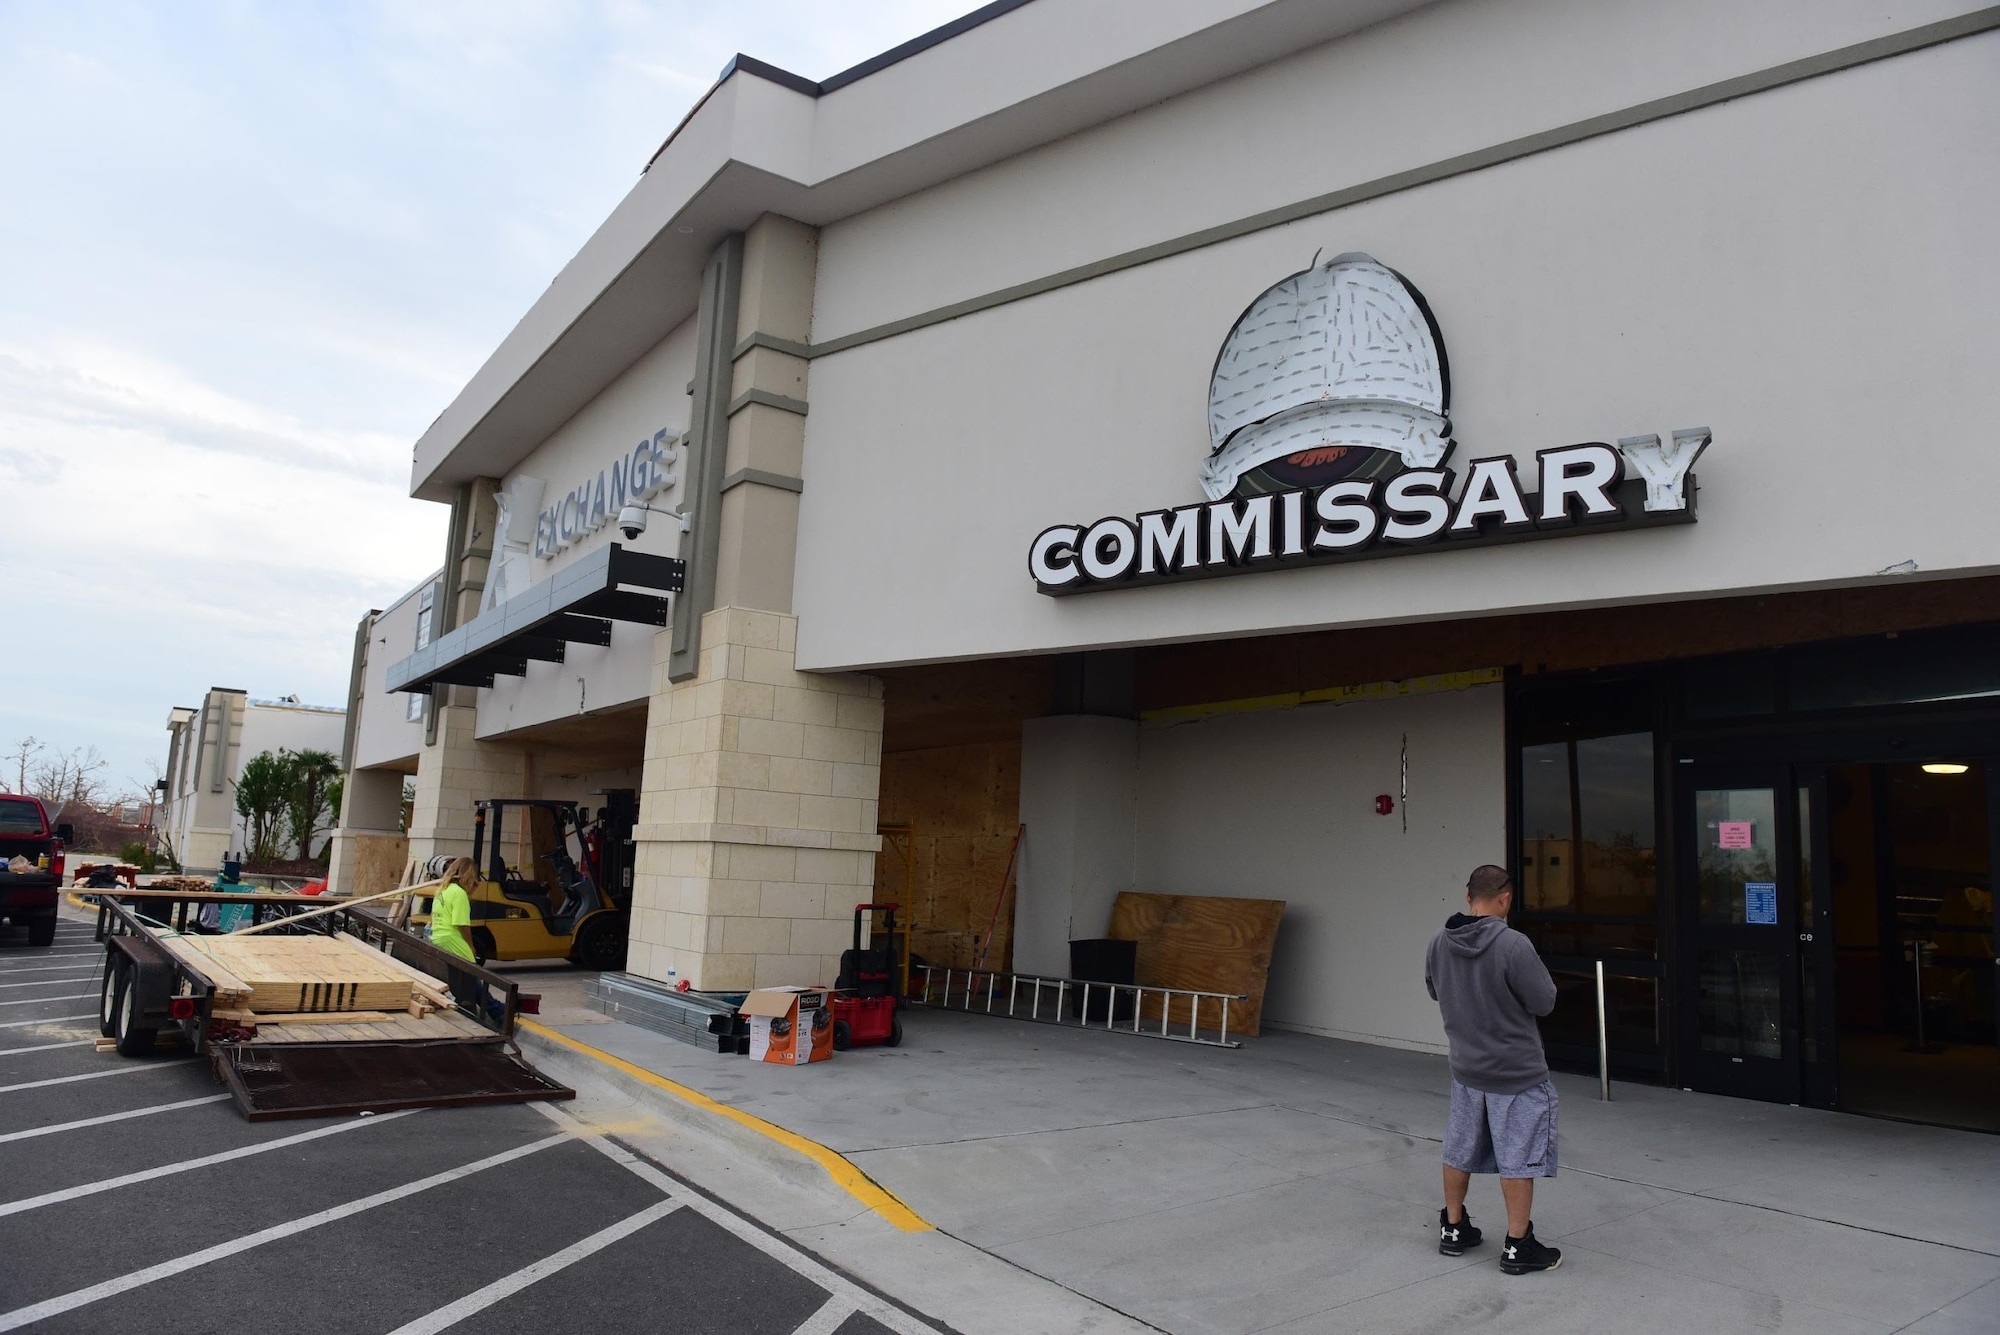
x: 75, y: 776
x: 23, y: 755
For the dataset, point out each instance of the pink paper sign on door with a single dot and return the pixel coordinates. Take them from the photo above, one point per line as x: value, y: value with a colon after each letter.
x: 1733, y: 834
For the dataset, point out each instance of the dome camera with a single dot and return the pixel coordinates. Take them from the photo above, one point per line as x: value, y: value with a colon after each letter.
x: 632, y: 520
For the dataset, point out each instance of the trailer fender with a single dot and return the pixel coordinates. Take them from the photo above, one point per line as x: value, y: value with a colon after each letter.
x: 152, y: 972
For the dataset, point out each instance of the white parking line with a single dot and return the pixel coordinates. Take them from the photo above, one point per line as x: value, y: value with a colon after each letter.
x: 831, y: 1316
x: 36, y: 1001
x: 189, y: 1165
x: 46, y: 1019
x: 125, y: 1116
x: 48, y: 1047
x: 111, y: 1288
x: 841, y: 1287
x: 52, y: 982
x: 123, y: 1068
x: 482, y: 1298
x: 48, y: 968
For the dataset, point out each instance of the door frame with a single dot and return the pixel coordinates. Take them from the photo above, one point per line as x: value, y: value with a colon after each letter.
x: 1774, y: 1079
x: 1819, y: 1023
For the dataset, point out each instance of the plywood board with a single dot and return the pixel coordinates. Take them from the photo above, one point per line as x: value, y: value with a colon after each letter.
x: 304, y: 973
x: 964, y: 804
x: 378, y: 862
x: 1203, y: 943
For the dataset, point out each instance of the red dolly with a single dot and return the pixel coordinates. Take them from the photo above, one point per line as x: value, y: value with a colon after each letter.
x: 867, y: 992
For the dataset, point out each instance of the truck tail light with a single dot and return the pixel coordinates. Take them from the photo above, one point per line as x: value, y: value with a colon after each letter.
x: 56, y: 862
x: 181, y: 1008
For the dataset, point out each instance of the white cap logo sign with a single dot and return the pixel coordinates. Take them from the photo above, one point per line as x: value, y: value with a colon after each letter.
x: 1330, y: 441
x: 1337, y: 372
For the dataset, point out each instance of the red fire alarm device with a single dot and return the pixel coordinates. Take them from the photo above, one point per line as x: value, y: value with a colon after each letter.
x: 1384, y: 804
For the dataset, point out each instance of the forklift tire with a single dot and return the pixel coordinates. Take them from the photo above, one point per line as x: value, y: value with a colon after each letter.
x: 108, y: 991
x: 134, y: 1039
x: 42, y: 931
x: 842, y: 1036
x: 895, y: 1038
x: 600, y: 943
x: 483, y: 948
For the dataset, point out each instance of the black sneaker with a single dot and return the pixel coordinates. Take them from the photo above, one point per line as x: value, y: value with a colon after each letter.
x: 1453, y: 1239
x: 1521, y: 1255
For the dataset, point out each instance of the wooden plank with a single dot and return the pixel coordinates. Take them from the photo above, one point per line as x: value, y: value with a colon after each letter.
x: 1203, y: 943
x: 309, y: 1017
x: 186, y: 949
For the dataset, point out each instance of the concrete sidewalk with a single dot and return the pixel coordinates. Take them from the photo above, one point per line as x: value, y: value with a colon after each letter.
x: 1293, y: 1185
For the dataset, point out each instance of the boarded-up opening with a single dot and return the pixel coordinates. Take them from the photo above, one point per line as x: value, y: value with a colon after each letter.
x: 963, y: 804
x: 1202, y: 943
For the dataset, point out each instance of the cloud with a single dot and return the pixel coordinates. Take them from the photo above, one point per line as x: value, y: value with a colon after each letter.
x: 123, y: 394
x: 250, y: 252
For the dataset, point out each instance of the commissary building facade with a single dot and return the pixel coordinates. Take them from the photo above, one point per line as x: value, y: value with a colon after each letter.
x: 1288, y: 451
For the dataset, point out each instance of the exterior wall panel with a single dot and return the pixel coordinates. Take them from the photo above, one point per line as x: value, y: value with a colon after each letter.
x: 1806, y: 271
x: 1280, y: 805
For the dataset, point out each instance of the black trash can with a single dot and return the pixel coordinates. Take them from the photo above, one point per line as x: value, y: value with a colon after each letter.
x: 1103, y: 960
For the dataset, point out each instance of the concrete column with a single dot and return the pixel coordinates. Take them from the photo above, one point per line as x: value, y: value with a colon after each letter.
x: 765, y: 458
x: 1079, y: 800
x: 453, y: 770
x: 368, y: 843
x: 757, y: 811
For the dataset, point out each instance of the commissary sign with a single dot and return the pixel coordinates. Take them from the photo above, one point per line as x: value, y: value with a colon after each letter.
x: 1330, y: 440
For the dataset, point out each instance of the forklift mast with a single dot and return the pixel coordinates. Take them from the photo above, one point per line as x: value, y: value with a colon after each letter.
x: 611, y: 844
x: 605, y: 843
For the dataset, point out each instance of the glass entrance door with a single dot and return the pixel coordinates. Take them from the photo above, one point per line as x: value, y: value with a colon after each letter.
x: 1739, y: 860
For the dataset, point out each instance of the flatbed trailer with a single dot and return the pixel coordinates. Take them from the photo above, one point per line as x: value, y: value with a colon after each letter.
x: 309, y: 1064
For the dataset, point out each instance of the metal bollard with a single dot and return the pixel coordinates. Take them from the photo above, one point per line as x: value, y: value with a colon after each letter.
x: 1603, y: 1042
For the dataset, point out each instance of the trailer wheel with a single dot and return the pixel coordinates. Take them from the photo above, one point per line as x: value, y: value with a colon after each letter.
x: 600, y: 944
x: 42, y: 931
x: 134, y: 1039
x: 110, y: 991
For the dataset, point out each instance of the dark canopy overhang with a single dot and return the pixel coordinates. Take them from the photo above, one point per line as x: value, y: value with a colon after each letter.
x: 576, y: 605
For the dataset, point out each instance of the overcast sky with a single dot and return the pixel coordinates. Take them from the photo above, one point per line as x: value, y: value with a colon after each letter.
x: 248, y: 251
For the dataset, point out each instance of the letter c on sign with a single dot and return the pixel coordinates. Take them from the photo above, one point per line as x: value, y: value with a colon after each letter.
x: 1052, y: 560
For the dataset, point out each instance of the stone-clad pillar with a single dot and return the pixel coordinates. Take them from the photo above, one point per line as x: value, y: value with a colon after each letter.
x: 758, y: 807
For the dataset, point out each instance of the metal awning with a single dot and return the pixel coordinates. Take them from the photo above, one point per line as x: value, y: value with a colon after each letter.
x: 576, y: 605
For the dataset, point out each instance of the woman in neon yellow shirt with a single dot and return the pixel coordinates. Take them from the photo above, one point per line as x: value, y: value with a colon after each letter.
x: 451, y: 919
x: 451, y: 909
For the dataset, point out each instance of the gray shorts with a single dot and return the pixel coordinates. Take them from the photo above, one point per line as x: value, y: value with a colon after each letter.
x: 1513, y: 1135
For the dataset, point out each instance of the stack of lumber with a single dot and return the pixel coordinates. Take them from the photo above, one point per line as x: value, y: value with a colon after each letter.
x: 331, y: 979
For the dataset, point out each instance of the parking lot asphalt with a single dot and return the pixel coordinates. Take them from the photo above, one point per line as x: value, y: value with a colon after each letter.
x: 134, y: 1195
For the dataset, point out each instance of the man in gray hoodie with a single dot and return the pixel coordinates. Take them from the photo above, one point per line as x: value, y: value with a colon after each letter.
x: 1490, y: 985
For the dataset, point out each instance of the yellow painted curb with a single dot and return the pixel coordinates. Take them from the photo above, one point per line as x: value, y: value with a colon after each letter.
x: 845, y: 1175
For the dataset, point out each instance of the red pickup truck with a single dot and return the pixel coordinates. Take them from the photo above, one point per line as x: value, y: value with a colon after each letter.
x: 28, y: 898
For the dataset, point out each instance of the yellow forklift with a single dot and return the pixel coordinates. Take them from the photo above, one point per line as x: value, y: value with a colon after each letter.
x: 555, y: 880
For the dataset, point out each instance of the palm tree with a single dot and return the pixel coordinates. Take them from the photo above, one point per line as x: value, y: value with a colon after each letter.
x: 314, y: 776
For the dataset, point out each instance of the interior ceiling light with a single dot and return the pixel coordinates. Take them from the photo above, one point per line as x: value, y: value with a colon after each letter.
x: 1944, y: 767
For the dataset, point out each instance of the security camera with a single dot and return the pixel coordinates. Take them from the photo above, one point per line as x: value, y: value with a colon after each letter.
x: 632, y: 520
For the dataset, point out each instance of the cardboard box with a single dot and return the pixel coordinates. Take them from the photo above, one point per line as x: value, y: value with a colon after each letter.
x: 789, y: 1025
